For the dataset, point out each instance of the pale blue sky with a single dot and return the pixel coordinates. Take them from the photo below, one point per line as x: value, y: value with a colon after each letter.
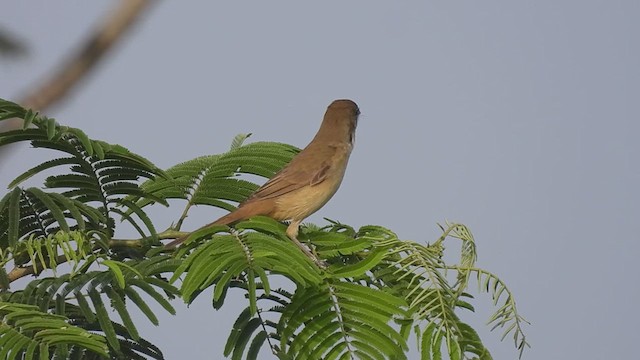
x: 518, y: 119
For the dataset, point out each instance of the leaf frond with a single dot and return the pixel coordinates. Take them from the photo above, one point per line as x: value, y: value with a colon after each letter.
x: 25, y: 331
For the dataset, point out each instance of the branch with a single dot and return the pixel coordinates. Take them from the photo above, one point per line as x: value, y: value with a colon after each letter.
x: 22, y: 271
x: 138, y: 243
x: 79, y: 64
x: 115, y: 25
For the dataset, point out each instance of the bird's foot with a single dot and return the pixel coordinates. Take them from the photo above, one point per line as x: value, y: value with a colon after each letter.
x: 319, y: 262
x: 322, y: 264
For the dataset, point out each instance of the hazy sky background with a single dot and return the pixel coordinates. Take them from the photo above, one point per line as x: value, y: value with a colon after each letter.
x: 516, y: 118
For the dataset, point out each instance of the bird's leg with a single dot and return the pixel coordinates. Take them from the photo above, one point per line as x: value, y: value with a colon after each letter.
x: 292, y: 233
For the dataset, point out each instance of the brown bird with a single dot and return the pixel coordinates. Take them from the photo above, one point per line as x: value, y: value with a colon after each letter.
x: 308, y: 181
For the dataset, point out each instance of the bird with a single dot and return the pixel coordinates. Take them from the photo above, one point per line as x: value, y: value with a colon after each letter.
x: 308, y: 182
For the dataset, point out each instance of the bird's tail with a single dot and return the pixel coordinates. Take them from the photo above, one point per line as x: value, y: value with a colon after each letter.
x: 239, y: 214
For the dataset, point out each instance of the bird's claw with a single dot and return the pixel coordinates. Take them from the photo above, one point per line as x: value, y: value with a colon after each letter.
x: 322, y: 264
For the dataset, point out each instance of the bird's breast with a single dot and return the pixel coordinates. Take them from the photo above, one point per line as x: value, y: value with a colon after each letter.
x: 299, y: 204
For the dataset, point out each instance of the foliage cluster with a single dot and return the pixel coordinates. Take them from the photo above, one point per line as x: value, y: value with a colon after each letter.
x: 377, y: 293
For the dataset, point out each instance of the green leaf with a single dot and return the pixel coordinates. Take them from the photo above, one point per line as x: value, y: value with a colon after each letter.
x: 141, y: 304
x: 238, y: 140
x: 256, y: 345
x: 118, y: 304
x: 103, y: 319
x: 145, y: 285
x: 51, y: 205
x: 142, y: 215
x: 24, y: 328
x: 238, y: 326
x: 359, y: 268
x: 251, y: 287
x: 84, y: 140
x: 51, y: 128
x: 98, y: 149
x: 41, y: 167
x: 454, y: 349
x: 14, y: 216
x: 83, y: 304
x: 114, y: 267
x: 29, y: 116
x: 244, y: 337
x: 316, y: 315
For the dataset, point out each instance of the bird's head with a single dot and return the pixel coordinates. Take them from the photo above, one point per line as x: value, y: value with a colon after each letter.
x: 341, y: 120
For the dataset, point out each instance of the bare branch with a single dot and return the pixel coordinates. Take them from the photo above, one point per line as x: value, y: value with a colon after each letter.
x: 75, y: 68
x: 89, y: 54
x: 22, y: 271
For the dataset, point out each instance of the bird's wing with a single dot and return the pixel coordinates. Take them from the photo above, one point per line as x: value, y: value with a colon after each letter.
x: 293, y: 177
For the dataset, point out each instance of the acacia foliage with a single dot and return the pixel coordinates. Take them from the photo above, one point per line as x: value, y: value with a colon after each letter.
x: 377, y: 293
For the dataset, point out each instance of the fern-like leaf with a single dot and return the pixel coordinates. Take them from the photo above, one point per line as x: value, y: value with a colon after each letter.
x: 226, y: 257
x: 354, y: 318
x: 212, y: 180
x: 102, y: 174
x: 25, y: 331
